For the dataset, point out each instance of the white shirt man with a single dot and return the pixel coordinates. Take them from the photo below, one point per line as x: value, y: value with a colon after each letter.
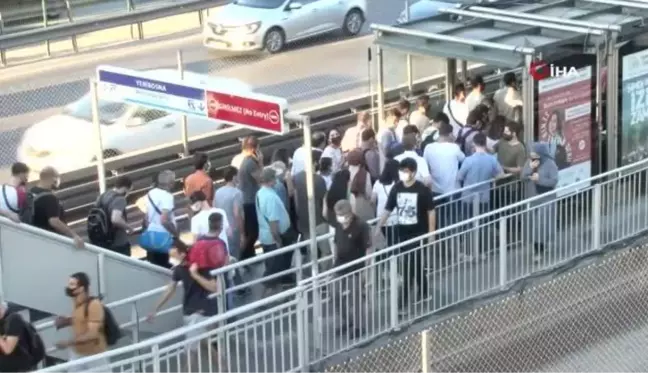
x: 443, y: 158
x: 157, y: 201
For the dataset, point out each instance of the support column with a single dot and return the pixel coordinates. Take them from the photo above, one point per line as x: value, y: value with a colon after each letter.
x: 612, y: 103
x: 451, y: 77
x: 380, y: 88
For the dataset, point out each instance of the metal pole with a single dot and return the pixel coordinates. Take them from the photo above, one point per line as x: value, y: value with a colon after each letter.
x: 185, y: 135
x: 611, y: 102
x: 372, y: 102
x: 48, y: 49
x: 3, y: 55
x: 451, y: 78
x: 464, y: 71
x: 312, y: 226
x: 601, y: 53
x: 380, y: 88
x: 410, y: 73
x: 101, y: 166
x: 68, y: 9
x: 528, y: 91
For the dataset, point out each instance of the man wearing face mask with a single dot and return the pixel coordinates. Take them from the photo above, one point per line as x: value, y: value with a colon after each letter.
x: 87, y: 322
x: 415, y: 211
x: 14, y: 194
x: 352, y: 242
x: 200, y: 180
x: 46, y: 208
x: 334, y: 151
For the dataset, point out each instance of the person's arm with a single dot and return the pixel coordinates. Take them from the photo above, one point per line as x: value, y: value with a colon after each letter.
x: 527, y: 171
x: 548, y: 175
x: 460, y: 155
x: 425, y: 173
x: 374, y: 195
x: 274, y: 230
x: 239, y: 218
x: 461, y: 175
x: 513, y: 98
x: 270, y: 210
x: 430, y: 206
x: 208, y: 284
x: 389, y: 207
x: 325, y: 207
x: 166, y: 207
x: 10, y: 215
x: 13, y: 329
x: 208, y: 189
x: 51, y: 209
x: 290, y: 184
x: 169, y: 292
x: 117, y: 214
x: 498, y: 171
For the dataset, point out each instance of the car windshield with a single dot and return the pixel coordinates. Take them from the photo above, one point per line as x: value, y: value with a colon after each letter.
x: 262, y: 4
x: 109, y: 112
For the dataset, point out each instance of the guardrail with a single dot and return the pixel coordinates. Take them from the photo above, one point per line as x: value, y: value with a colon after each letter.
x: 223, y: 145
x: 71, y: 30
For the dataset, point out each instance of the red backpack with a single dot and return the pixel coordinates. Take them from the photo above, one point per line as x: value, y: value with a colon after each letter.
x: 208, y: 253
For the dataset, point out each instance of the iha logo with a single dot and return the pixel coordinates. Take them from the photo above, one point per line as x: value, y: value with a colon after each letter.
x: 540, y: 70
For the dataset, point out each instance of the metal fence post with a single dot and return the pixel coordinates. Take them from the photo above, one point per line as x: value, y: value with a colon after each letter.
x: 135, y: 320
x: 3, y: 54
x: 597, y: 202
x: 380, y: 88
x: 101, y: 165
x: 503, y: 244
x: 68, y: 9
x: 475, y: 225
x: 410, y: 73
x: 101, y: 275
x: 48, y: 50
x: 302, y: 338
x: 185, y: 135
x: 425, y: 347
x: 393, y: 291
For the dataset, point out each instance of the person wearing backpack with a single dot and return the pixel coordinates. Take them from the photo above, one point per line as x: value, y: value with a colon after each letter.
x: 106, y: 223
x: 14, y: 193
x: 93, y: 326
x: 371, y: 154
x: 44, y: 210
x: 475, y: 124
x: 387, y: 140
x: 21, y: 348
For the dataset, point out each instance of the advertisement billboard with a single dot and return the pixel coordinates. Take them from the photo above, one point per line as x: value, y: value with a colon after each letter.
x: 634, y: 108
x: 565, y: 123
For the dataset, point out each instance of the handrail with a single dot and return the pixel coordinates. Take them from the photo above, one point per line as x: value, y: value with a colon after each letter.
x: 68, y: 30
x: 567, y: 188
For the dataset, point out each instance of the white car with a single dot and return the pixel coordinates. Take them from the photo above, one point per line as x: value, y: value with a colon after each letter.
x: 252, y: 25
x: 66, y: 141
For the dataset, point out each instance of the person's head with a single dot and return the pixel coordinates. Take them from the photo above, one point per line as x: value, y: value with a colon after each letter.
x: 268, y: 177
x: 123, y: 185
x: 540, y: 152
x: 407, y: 171
x: 368, y: 136
x: 335, y: 138
x: 364, y: 119
x: 178, y: 254
x: 166, y: 180
x: 510, y: 80
x: 326, y: 165
x: 250, y: 145
x: 423, y: 104
x: 215, y: 223
x: 441, y: 118
x: 477, y: 83
x: 230, y: 174
x: 392, y: 117
x: 389, y: 174
x: 319, y: 140
x: 459, y: 92
x: 555, y: 123
x: 445, y: 130
x: 479, y: 140
x: 78, y: 285
x: 496, y: 128
x: 410, y: 137
x: 198, y: 201
x: 317, y: 156
x: 343, y: 212
x: 20, y: 173
x: 49, y: 178
x: 478, y: 117
x: 281, y: 155
x: 403, y: 106
x: 201, y: 161
x: 355, y: 157
x: 511, y: 131
x: 280, y: 170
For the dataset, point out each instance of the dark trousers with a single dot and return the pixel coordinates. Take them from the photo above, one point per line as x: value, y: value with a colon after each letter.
x: 250, y: 230
x: 349, y: 289
x: 413, y: 270
x: 124, y: 249
x: 276, y: 265
x: 159, y: 259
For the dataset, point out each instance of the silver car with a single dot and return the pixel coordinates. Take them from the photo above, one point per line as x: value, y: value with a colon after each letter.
x: 250, y: 25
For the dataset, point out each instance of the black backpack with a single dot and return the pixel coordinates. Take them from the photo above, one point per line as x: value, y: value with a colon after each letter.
x: 463, y: 136
x: 34, y: 347
x: 27, y: 213
x: 111, y: 328
x: 99, y: 224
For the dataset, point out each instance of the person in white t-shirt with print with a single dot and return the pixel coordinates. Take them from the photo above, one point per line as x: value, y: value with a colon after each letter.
x: 380, y: 192
x: 159, y: 205
x: 200, y: 220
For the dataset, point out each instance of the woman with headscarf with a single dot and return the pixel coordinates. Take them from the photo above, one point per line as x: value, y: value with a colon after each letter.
x: 360, y: 186
x: 542, y: 172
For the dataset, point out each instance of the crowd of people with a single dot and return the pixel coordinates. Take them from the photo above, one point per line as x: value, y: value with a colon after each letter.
x: 416, y: 162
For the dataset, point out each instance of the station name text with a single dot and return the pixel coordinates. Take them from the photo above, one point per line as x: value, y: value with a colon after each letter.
x: 150, y: 85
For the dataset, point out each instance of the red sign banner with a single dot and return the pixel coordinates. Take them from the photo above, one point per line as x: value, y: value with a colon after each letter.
x: 256, y: 113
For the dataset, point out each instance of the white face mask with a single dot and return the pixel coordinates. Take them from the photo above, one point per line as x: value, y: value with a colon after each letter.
x: 404, y: 176
x: 174, y: 261
x: 342, y: 219
x: 196, y: 207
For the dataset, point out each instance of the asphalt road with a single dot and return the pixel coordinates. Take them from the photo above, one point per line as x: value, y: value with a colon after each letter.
x: 311, y: 73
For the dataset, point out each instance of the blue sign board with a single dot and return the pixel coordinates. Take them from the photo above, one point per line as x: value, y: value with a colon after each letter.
x: 142, y: 88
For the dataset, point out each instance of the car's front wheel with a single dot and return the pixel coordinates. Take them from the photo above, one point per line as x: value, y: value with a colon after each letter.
x: 274, y: 40
x: 353, y: 22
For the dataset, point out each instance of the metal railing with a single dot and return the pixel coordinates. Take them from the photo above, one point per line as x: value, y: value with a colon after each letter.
x: 604, y: 209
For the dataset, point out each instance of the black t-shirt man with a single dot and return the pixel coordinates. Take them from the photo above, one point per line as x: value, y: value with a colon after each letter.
x: 195, y: 298
x: 13, y: 325
x: 46, y: 206
x: 412, y: 204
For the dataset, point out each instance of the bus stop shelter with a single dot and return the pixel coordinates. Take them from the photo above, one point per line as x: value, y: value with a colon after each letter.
x: 514, y: 37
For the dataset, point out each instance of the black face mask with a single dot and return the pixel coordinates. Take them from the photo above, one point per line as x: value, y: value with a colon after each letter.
x: 507, y: 137
x: 69, y: 292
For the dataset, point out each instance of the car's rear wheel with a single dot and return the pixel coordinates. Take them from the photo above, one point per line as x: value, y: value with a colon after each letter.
x: 274, y: 41
x: 353, y: 22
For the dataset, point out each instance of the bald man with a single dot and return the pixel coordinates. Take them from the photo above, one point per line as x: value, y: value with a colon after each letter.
x: 47, y: 211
